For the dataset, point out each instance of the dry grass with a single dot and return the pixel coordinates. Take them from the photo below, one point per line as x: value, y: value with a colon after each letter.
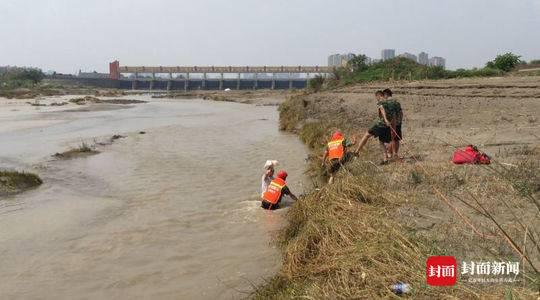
x: 376, y: 226
x: 350, y: 240
x: 84, y: 149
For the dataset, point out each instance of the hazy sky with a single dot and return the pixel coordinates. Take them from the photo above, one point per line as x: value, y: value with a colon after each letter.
x: 68, y: 35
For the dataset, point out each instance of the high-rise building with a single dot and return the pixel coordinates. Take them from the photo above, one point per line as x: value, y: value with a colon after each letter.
x: 337, y: 60
x: 409, y: 56
x: 334, y: 60
x: 345, y: 58
x: 437, y: 61
x: 423, y: 58
x: 388, y: 54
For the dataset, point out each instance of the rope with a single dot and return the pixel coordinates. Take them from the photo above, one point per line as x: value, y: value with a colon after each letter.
x: 505, y: 235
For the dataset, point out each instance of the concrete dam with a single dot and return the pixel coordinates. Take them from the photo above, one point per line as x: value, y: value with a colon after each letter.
x: 144, y: 77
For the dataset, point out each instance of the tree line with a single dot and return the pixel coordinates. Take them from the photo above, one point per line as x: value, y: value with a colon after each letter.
x: 357, y: 69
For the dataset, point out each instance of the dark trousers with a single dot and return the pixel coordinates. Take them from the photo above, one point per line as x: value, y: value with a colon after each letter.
x: 267, y: 205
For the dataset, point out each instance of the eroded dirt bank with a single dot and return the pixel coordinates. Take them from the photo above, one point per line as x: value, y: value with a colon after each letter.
x: 377, y: 224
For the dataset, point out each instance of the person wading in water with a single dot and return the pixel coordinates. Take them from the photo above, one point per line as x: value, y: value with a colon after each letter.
x: 275, y: 191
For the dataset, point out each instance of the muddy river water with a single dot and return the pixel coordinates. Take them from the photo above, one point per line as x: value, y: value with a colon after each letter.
x: 170, y: 214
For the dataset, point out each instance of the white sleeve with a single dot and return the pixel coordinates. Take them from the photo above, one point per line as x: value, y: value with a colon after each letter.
x: 263, y: 184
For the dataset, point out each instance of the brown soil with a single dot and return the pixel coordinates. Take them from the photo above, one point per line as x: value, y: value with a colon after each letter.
x: 464, y: 211
x: 440, y: 116
x: 89, y: 99
x: 494, y: 113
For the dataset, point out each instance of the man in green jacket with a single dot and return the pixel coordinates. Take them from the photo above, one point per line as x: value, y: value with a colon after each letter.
x: 380, y: 128
x: 396, y: 117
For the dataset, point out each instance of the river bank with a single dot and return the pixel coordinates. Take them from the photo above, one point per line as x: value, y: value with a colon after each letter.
x: 376, y: 225
x: 50, y: 88
x: 255, y: 97
x: 53, y: 88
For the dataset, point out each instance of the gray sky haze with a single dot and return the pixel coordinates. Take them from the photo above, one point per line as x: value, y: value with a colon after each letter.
x: 68, y: 35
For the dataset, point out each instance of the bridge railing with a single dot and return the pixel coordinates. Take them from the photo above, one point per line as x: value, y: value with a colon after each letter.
x: 226, y: 69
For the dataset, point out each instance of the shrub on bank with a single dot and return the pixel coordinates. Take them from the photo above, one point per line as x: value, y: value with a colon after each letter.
x: 505, y: 62
x: 316, y: 83
x: 20, y: 82
x: 483, y: 72
x: 20, y: 77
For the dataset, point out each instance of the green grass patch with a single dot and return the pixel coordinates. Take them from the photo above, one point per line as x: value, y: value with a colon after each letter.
x: 12, y: 182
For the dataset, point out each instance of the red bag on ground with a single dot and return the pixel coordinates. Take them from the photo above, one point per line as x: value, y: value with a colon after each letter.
x: 484, y: 159
x: 470, y: 155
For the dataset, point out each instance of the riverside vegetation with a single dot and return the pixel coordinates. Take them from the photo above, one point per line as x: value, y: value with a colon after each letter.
x: 400, y: 68
x: 29, y: 83
x: 13, y: 182
x: 376, y: 225
x: 84, y: 149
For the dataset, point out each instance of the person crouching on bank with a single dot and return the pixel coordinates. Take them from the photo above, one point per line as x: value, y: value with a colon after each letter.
x: 275, y: 191
x: 337, y: 153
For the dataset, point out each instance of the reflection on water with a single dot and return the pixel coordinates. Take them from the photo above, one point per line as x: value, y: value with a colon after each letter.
x: 173, y: 213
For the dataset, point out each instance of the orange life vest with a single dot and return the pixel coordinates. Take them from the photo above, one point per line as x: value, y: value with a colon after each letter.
x: 273, y: 191
x: 335, y: 149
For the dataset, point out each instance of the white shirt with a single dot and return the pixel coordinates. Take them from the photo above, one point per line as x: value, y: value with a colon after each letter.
x: 265, y: 182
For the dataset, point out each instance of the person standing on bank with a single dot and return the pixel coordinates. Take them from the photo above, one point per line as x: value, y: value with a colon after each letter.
x: 275, y: 191
x: 396, y: 120
x: 380, y: 128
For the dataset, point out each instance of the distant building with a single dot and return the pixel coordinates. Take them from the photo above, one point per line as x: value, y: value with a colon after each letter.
x: 388, y: 54
x: 437, y: 61
x: 423, y: 58
x: 92, y: 75
x: 61, y: 76
x: 409, y: 56
x: 334, y: 60
x: 346, y: 57
x: 338, y: 60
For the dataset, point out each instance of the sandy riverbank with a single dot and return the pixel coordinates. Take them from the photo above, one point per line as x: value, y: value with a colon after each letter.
x: 256, y: 97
